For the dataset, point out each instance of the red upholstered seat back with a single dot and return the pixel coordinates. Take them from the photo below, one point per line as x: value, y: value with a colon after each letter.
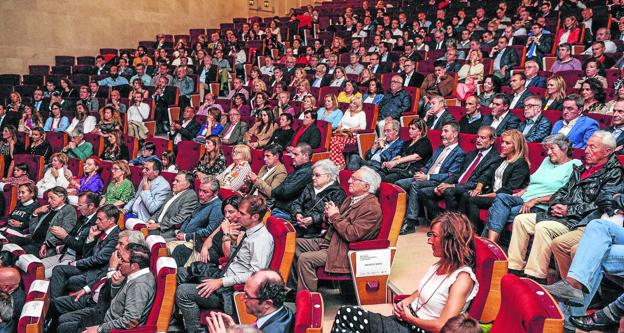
x: 283, y: 245
x: 158, y: 248
x: 165, y: 294
x: 33, y: 313
x: 136, y: 175
x: 35, y: 164
x: 162, y: 144
x: 388, y: 198
x: 486, y: 254
x: 526, y: 308
x: 96, y: 141
x: 31, y: 268
x: 309, y: 311
x: 105, y: 171
x: 188, y: 155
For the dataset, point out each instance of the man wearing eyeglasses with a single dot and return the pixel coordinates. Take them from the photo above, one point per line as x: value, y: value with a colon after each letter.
x: 536, y: 126
x: 617, y: 126
x: 411, y: 78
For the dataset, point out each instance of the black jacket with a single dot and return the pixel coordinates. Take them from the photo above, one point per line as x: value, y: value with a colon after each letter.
x: 77, y: 237
x: 509, y: 58
x: 539, y: 131
x: 97, y: 254
x: 445, y: 118
x: 511, y: 121
x: 416, y: 79
x: 482, y: 173
x: 619, y: 140
x: 311, y: 136
x: 580, y: 194
x: 187, y: 133
x: 282, y: 321
x: 312, y: 205
x: 292, y: 186
x: 515, y: 176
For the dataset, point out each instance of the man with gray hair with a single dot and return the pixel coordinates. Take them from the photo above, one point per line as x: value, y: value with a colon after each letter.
x: 535, y: 126
x: 385, y: 148
x: 566, y: 211
x: 78, y: 147
x: 358, y: 218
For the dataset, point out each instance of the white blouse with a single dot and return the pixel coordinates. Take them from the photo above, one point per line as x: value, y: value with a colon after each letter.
x: 498, y: 176
x: 357, y: 121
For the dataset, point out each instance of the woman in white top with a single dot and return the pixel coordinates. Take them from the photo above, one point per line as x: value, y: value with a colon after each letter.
x: 340, y: 78
x: 82, y: 121
x: 57, y: 175
x: 234, y: 176
x: 444, y: 291
x: 352, y: 120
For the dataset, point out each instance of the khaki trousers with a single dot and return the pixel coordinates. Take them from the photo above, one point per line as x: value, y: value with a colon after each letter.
x: 543, y: 233
x: 309, y: 256
x: 564, y: 248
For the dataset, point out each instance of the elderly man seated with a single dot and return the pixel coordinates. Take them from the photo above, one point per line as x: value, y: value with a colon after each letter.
x: 567, y: 208
x: 384, y: 149
x: 12, y: 299
x: 357, y: 219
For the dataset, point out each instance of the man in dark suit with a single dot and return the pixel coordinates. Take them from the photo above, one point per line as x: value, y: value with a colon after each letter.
x: 74, y: 241
x: 538, y: 45
x: 437, y: 116
x: 617, y: 126
x: 444, y: 163
x: 12, y: 298
x: 504, y: 58
x: 438, y: 42
x: 471, y: 121
x: 234, y: 129
x: 519, y: 91
x: 477, y: 167
x: 163, y: 98
x: 264, y: 299
x: 411, y: 78
x: 97, y: 250
x: 320, y: 78
x: 375, y: 66
x: 500, y: 118
x: 410, y: 53
x: 383, y: 149
x: 185, y: 129
x: 533, y: 80
x: 7, y: 119
x: 536, y: 126
x: 384, y: 54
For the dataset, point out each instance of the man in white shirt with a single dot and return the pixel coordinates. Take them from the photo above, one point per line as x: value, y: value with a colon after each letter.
x: 520, y: 92
x: 268, y: 67
x: 137, y: 114
x: 603, y: 35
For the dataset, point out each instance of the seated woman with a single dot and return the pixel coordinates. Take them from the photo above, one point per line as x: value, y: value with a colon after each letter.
x: 340, y: 78
x: 283, y: 134
x: 9, y: 146
x: 618, y: 96
x: 137, y: 87
x: 470, y: 75
x: 445, y: 290
x: 512, y: 174
x: 330, y: 111
x: 57, y: 174
x: 234, y: 176
x: 31, y: 118
x: 308, y: 210
x: 90, y: 182
x: 38, y: 144
x: 82, y: 120
x: 67, y: 91
x: 20, y: 176
x: 349, y: 92
x: 555, y: 93
x: 374, y: 94
x: 109, y: 121
x: 114, y: 147
x: 168, y: 159
x: 308, y: 104
x: 414, y: 154
x: 239, y: 102
x: 19, y: 219
x: 212, y: 125
x: 120, y: 190
x: 261, y: 132
x: 210, y: 250
x: 303, y: 90
x: 491, y: 87
x: 298, y: 78
x: 593, y: 70
x: 569, y: 33
x: 352, y: 121
x: 56, y: 122
x: 260, y: 103
x: 594, y: 97
x: 552, y: 174
x: 213, y: 162
x: 365, y: 77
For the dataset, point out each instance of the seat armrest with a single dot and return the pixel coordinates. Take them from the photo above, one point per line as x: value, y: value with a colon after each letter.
x: 374, y: 244
x: 398, y: 298
x: 140, y: 329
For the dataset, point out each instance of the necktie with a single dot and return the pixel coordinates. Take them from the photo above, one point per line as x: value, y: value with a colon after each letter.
x: 471, y: 169
x: 233, y: 254
x: 438, y: 161
x: 229, y: 131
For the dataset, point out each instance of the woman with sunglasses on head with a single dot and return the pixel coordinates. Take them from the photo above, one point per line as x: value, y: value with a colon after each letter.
x: 445, y: 290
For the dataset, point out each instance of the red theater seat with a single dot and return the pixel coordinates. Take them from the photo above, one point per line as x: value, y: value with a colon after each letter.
x: 491, y: 265
x: 31, y: 268
x: 32, y: 317
x: 309, y: 316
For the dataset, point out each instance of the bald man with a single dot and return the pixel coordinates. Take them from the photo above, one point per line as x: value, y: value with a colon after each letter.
x: 12, y: 299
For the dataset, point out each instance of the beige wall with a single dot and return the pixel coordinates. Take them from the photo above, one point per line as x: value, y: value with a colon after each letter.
x: 276, y: 7
x: 32, y: 32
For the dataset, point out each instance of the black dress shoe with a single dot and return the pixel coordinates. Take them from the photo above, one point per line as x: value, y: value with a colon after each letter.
x: 408, y: 227
x: 592, y: 322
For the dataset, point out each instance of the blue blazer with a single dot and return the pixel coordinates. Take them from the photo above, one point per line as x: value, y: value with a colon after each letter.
x: 511, y: 121
x: 537, y: 82
x: 389, y: 153
x: 539, y: 131
x: 450, y: 167
x: 580, y: 133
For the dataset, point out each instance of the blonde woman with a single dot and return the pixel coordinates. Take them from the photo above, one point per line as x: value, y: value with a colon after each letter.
x: 353, y: 120
x: 303, y: 90
x: 555, y: 93
x: 234, y: 176
x: 470, y: 74
x: 299, y: 77
x: 330, y: 111
x: 57, y: 175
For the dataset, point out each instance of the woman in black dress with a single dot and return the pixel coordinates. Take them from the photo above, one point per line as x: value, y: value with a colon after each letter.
x: 414, y: 154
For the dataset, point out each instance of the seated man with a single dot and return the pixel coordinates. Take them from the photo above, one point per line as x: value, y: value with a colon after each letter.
x: 358, y: 218
x: 91, y: 301
x: 73, y: 241
x: 268, y: 289
x: 308, y: 210
x: 501, y: 118
x: 536, y: 126
x: 438, y: 83
x: 471, y: 121
x: 574, y: 124
x: 606, y: 318
x: 186, y: 128
x: 384, y: 149
x: 252, y: 254
x: 97, y: 250
x: 175, y: 210
x: 133, y: 289
x: 395, y: 103
x: 12, y: 299
x: 234, y: 129
x: 444, y: 164
x: 617, y: 126
x: 567, y: 208
x: 114, y: 79
x: 291, y: 187
x: 151, y: 193
x: 207, y: 216
x: 272, y: 173
x: 437, y: 116
x: 78, y: 147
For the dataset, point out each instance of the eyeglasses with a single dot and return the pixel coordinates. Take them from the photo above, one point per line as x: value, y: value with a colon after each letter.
x: 317, y: 175
x: 526, y: 106
x: 357, y: 179
x: 247, y: 296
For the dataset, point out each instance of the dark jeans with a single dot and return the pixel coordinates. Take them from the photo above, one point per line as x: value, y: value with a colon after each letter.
x: 418, y: 191
x: 190, y: 304
x: 473, y: 208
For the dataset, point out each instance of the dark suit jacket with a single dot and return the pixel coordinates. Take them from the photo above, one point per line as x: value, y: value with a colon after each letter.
x: 389, y: 153
x: 211, y: 75
x: 542, y: 49
x: 237, y: 133
x: 539, y: 131
x: 97, y: 254
x: 450, y: 166
x: 445, y: 118
x: 515, y: 176
x: 10, y: 118
x: 282, y: 321
x: 416, y: 79
x: 77, y: 237
x: 537, y: 82
x: 389, y: 57
x: 510, y: 121
x: 509, y: 59
x: 188, y: 133
x: 433, y: 45
x: 618, y: 140
x: 311, y: 136
x: 325, y: 81
x: 481, y: 173
x: 383, y: 67
x: 520, y: 103
x: 284, y: 80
